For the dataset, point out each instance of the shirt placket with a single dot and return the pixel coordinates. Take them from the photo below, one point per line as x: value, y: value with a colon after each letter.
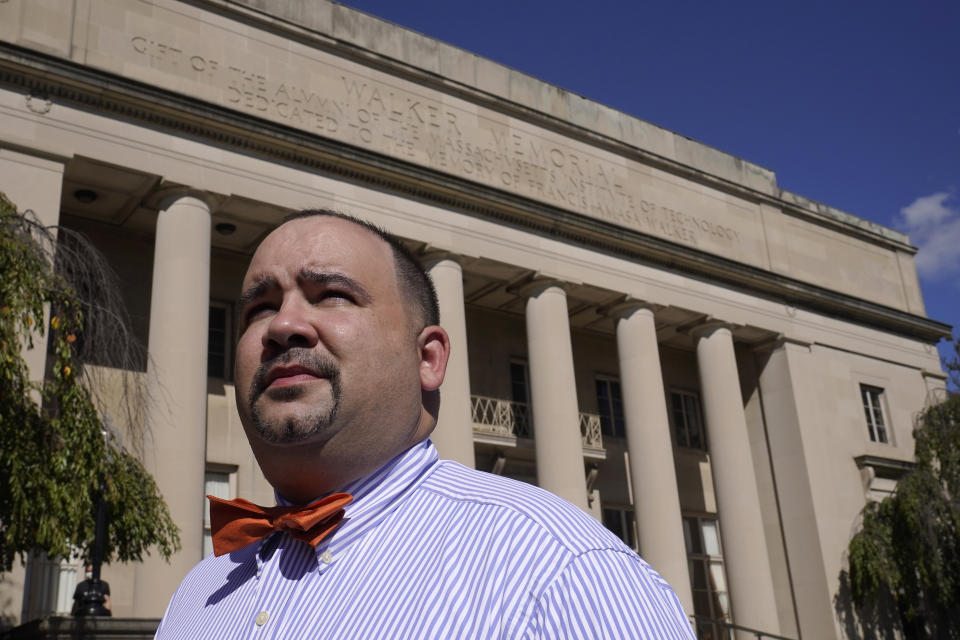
x: 273, y: 595
x: 262, y: 619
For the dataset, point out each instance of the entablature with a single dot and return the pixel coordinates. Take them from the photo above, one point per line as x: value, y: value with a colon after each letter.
x: 59, y: 80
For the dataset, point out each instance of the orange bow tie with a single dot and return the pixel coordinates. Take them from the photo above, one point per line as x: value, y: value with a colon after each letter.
x: 237, y: 523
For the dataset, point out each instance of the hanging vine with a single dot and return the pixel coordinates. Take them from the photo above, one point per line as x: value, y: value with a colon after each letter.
x: 55, y: 442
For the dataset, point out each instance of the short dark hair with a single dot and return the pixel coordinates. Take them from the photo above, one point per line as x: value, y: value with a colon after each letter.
x: 415, y: 282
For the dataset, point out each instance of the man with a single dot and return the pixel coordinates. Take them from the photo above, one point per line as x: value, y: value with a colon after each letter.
x: 91, y: 597
x: 338, y: 366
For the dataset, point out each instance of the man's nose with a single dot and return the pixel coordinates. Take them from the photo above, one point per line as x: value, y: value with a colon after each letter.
x: 290, y: 327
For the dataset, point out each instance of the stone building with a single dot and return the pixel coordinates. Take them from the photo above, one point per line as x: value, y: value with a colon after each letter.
x: 720, y: 370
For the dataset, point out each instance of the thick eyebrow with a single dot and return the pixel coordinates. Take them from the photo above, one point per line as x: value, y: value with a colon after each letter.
x: 335, y: 278
x: 258, y: 289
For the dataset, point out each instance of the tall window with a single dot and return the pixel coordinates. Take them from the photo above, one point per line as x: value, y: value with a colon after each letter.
x: 610, y: 405
x: 687, y: 419
x: 518, y: 382
x: 520, y: 395
x: 218, y: 481
x: 707, y: 577
x: 873, y: 409
x: 49, y: 584
x: 218, y: 350
x: 619, y: 520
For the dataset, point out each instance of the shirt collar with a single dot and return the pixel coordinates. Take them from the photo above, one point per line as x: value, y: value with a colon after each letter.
x: 375, y: 496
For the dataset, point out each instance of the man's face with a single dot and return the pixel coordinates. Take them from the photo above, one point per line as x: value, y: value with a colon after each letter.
x: 328, y: 354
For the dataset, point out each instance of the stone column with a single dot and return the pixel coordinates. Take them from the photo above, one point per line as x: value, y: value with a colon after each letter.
x: 175, y: 447
x: 553, y: 390
x: 31, y: 183
x: 788, y: 405
x: 454, y: 433
x: 654, y: 480
x: 738, y: 502
x: 34, y: 184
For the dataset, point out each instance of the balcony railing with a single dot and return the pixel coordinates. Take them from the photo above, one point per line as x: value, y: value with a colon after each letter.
x: 507, y: 419
x: 706, y: 625
x: 590, y: 431
x: 496, y: 417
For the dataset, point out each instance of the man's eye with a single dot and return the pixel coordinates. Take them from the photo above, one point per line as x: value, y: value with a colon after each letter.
x: 334, y: 296
x: 257, y: 311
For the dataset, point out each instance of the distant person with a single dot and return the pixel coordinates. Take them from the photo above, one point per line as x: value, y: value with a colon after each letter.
x: 83, y: 595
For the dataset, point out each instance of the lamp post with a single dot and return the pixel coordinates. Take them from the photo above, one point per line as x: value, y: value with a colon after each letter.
x: 93, y: 599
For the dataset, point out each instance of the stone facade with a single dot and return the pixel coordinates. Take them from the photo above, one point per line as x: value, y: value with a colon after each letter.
x: 646, y: 326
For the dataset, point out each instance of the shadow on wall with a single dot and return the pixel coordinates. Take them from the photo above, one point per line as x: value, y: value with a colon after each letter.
x: 876, y: 621
x: 7, y: 620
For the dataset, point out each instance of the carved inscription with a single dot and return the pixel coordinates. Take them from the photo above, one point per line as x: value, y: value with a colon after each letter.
x: 402, y: 124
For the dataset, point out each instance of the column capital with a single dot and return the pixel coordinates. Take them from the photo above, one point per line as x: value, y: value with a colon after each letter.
x: 166, y: 195
x: 430, y: 255
x: 779, y: 341
x: 626, y: 306
x: 708, y: 327
x: 535, y: 284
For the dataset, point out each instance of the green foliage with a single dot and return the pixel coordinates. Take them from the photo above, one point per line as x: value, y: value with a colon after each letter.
x: 952, y: 365
x: 54, y: 446
x: 908, y: 550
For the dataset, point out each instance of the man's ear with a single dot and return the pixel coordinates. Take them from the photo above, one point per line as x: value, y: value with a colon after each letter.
x: 434, y: 346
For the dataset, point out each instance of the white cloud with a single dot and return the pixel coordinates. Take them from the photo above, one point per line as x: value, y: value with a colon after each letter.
x: 933, y: 223
x: 926, y: 211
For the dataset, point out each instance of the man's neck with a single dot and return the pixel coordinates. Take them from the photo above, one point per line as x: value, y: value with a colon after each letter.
x: 305, y: 479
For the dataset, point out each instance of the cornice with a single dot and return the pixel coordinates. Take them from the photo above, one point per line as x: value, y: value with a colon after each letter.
x: 53, y: 78
x: 271, y: 19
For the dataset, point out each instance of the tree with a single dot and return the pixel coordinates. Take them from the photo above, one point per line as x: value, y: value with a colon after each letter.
x: 952, y: 365
x: 54, y: 443
x: 908, y: 549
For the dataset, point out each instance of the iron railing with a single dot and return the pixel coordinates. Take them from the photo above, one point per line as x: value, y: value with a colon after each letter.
x: 729, y: 626
x: 590, y: 431
x: 498, y: 417
x: 505, y: 418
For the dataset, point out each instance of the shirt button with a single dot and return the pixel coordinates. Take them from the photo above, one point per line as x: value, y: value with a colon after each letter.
x: 262, y: 618
x: 326, y: 557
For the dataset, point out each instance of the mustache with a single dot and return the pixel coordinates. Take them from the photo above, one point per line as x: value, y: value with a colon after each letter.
x: 321, y: 365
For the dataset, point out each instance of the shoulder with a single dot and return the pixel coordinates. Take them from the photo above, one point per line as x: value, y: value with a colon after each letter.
x: 523, y: 504
x: 609, y: 595
x: 579, y: 575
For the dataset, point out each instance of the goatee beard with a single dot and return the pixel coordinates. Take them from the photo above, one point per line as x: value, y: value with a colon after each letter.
x: 295, y: 428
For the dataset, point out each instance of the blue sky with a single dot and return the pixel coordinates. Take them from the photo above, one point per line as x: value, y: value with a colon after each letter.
x: 853, y: 104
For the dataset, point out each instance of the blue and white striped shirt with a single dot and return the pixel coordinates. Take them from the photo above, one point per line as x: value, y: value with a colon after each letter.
x: 432, y: 549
